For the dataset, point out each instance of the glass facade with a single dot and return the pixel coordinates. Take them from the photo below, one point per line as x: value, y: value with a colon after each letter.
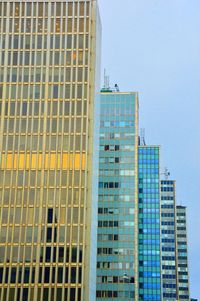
x: 149, y: 224
x: 168, y: 229
x: 117, y: 205
x: 175, y: 275
x: 47, y: 170
x: 182, y: 254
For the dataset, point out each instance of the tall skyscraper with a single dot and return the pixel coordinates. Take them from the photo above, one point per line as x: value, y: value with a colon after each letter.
x: 149, y: 247
x: 48, y: 157
x: 117, y: 258
x: 168, y: 230
x: 183, y: 293
x: 175, y: 274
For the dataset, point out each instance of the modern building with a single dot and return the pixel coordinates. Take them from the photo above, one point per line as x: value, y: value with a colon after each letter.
x: 175, y: 274
x: 49, y: 58
x: 168, y: 236
x: 149, y: 245
x: 117, y: 258
x: 183, y: 292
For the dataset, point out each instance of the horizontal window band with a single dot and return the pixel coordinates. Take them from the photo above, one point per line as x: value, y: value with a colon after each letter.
x: 43, y: 161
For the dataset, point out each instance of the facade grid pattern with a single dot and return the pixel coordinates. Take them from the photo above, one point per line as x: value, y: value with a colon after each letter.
x: 168, y: 230
x: 182, y: 254
x: 149, y: 223
x: 46, y: 104
x: 116, y: 256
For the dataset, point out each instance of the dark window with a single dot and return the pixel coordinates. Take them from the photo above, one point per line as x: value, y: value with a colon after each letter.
x: 53, y: 274
x: 18, y: 294
x: 67, y: 254
x: 25, y: 294
x: 46, y: 274
x: 80, y: 256
x: 20, y: 275
x: 7, y: 272
x: 54, y: 254
x: 73, y: 275
x: 98, y: 294
x: 40, y: 275
x: 72, y: 294
x: 79, y: 294
x: 74, y: 254
x: 46, y: 294
x: 100, y: 210
x: 33, y: 275
x: 13, y: 275
x: 66, y: 274
x: 59, y: 294
x: 61, y: 254
x: 60, y: 275
x: 50, y: 215
x: 66, y: 290
x: 115, y: 294
x: 48, y: 254
x: 80, y: 275
x: 1, y: 275
x: 49, y: 234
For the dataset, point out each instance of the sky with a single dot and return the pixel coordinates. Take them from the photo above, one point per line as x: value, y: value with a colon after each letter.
x: 153, y: 47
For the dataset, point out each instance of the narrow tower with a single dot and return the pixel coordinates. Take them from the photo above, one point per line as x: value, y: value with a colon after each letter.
x: 175, y: 273
x: 149, y: 223
x: 182, y: 254
x: 117, y: 206
x: 168, y: 230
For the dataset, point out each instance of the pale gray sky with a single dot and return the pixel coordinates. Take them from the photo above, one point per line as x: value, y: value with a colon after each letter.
x: 153, y: 47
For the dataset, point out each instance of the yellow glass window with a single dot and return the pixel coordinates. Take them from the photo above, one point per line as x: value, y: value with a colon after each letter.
x: 46, y: 161
x: 9, y: 161
x: 21, y: 161
x: 65, y: 161
x: 3, y: 161
x: 40, y: 161
x: 15, y: 161
x: 53, y: 161
x: 34, y: 161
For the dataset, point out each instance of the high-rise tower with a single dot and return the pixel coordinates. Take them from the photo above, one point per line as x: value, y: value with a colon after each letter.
x: 149, y: 247
x: 183, y: 291
x: 48, y: 78
x: 175, y: 274
x: 117, y: 258
x: 168, y: 235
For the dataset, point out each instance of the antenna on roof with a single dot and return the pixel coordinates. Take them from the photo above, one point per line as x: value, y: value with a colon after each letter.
x: 166, y: 173
x: 142, y: 137
x: 116, y: 88
x: 106, y: 80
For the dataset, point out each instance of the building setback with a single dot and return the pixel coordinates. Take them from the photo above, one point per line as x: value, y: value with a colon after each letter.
x: 149, y: 223
x: 48, y: 149
x: 117, y: 206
